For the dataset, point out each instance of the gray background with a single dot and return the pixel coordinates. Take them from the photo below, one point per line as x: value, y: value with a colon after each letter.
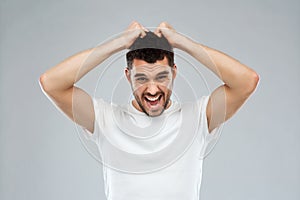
x: 258, y: 156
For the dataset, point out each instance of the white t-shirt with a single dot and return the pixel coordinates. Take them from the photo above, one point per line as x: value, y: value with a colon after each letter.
x: 127, y: 139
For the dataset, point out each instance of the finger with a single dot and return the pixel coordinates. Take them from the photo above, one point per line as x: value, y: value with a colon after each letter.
x: 142, y: 30
x: 138, y: 28
x: 142, y: 34
x: 145, y: 29
x: 158, y: 32
x: 134, y: 25
x: 165, y: 25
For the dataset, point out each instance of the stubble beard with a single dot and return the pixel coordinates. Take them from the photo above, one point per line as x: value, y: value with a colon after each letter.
x: 139, y: 101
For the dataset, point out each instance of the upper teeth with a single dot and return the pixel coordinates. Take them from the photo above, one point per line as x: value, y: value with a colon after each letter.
x: 152, y: 98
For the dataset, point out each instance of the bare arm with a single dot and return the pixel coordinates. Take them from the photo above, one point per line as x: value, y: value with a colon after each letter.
x: 58, y: 82
x: 239, y: 80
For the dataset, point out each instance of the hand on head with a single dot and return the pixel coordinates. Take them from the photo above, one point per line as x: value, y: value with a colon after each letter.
x: 136, y: 30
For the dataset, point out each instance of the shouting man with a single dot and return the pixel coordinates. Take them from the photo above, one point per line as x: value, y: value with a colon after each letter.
x: 160, y: 142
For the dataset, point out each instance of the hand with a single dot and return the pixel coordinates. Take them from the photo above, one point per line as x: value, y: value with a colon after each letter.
x: 169, y: 33
x: 134, y: 31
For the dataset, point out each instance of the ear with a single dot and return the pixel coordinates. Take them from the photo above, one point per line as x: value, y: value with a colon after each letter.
x: 174, y: 71
x: 127, y: 74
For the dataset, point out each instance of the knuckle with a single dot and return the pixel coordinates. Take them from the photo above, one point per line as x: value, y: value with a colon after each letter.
x: 164, y: 23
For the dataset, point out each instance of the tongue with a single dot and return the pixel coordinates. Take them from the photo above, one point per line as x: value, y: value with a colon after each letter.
x: 153, y: 102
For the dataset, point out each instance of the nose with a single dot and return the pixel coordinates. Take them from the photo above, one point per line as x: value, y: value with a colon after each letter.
x: 152, y: 88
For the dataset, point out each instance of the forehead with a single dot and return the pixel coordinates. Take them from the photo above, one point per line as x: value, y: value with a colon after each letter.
x: 137, y: 62
x: 142, y: 66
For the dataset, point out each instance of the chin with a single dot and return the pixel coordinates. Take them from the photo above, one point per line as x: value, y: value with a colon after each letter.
x: 155, y: 113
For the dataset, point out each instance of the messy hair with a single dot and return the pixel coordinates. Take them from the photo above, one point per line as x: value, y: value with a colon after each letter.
x: 150, y: 49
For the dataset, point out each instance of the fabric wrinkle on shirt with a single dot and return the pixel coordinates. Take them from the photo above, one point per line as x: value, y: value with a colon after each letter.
x: 181, y: 180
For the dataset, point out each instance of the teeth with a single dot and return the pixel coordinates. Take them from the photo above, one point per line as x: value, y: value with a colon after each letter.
x: 153, y: 98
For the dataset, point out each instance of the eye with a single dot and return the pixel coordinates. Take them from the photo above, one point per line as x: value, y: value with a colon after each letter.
x: 161, y: 78
x: 141, y: 79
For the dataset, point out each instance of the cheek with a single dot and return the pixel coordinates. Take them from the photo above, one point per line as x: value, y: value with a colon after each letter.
x: 165, y: 88
x: 166, y: 84
x: 137, y: 86
x: 138, y: 89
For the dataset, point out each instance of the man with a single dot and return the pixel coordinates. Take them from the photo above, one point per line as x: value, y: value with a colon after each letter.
x: 175, y: 170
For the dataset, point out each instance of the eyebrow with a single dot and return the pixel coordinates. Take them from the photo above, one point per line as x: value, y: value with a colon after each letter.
x: 159, y: 74
x: 163, y: 73
x: 139, y: 75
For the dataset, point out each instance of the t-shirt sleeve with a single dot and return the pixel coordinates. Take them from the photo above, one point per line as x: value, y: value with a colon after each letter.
x: 207, y: 140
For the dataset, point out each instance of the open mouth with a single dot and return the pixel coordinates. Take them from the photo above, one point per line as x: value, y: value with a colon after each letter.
x: 153, y: 100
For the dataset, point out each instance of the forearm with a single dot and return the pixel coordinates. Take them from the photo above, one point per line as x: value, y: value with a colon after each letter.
x: 233, y: 73
x: 63, y: 76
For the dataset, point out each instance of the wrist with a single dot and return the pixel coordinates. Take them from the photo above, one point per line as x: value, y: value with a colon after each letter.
x: 119, y: 44
x: 185, y: 44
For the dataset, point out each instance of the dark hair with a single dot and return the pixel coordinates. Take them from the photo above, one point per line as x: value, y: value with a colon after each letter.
x: 150, y: 49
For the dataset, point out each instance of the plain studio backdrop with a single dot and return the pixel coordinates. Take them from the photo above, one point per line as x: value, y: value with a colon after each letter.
x: 258, y: 155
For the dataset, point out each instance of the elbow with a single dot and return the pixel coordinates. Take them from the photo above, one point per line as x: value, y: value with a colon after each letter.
x: 252, y: 82
x: 44, y: 83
